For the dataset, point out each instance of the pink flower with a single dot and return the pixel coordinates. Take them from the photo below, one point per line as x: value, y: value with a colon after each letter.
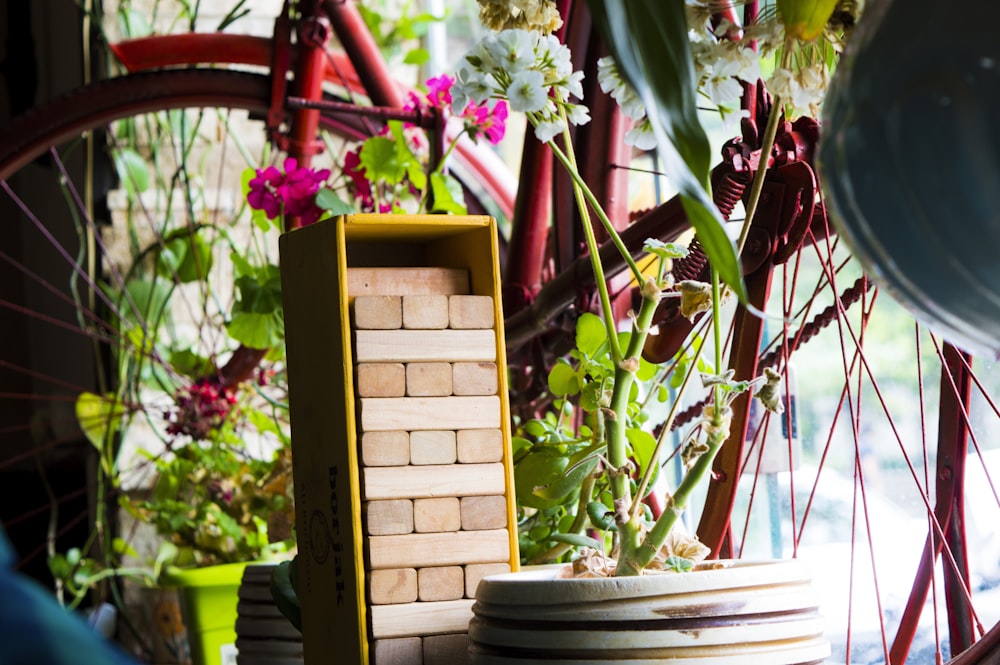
x: 439, y: 91
x: 263, y: 192
x: 293, y: 193
x: 362, y: 188
x: 491, y: 123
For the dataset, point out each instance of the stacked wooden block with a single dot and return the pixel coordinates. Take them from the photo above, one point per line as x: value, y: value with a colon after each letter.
x: 433, y: 482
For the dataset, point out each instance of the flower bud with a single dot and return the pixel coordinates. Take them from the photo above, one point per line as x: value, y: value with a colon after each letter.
x: 805, y: 19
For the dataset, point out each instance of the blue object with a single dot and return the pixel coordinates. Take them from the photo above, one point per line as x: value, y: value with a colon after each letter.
x: 909, y: 157
x: 36, y: 630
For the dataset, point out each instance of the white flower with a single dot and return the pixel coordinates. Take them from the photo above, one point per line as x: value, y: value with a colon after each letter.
x: 723, y: 90
x: 611, y: 82
x: 555, y: 54
x: 641, y: 135
x: 470, y: 85
x: 527, y: 92
x: 577, y: 114
x: 574, y: 85
x: 783, y: 84
x: 546, y: 130
x: 513, y: 50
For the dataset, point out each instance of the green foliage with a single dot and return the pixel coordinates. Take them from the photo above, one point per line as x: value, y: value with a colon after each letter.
x: 212, y: 502
x: 257, y: 319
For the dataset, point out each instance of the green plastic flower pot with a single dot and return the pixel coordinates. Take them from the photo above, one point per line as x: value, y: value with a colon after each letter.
x: 208, y: 600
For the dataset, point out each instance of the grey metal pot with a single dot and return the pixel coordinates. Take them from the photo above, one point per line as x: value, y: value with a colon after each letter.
x: 910, y: 161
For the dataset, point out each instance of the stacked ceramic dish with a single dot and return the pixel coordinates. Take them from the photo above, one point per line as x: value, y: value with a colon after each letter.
x: 263, y: 635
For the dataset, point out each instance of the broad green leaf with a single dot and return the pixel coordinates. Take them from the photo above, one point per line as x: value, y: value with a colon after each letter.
x: 417, y: 56
x: 643, y: 444
x: 328, y: 200
x: 563, y: 379
x: 648, y: 39
x: 591, y: 334
x: 380, y: 159
x: 539, y: 468
x: 186, y: 255
x: 133, y: 171
x: 100, y: 417
x: 188, y: 363
x: 664, y: 250
x: 257, y: 318
x: 447, y: 194
x: 601, y: 516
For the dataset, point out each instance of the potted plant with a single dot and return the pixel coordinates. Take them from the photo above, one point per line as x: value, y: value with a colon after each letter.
x: 585, y: 468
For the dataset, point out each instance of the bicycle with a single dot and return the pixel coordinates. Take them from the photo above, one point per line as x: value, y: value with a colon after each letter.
x: 546, y: 282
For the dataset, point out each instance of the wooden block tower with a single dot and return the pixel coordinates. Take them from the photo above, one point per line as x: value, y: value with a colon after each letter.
x: 416, y: 441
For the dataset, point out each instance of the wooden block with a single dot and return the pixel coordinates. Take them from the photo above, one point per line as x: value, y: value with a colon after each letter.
x: 483, y: 512
x: 433, y: 480
x: 415, y: 346
x: 438, y: 618
x: 451, y: 548
x: 406, y: 281
x: 437, y: 515
x: 470, y: 312
x: 425, y: 312
x: 398, y: 651
x: 378, y: 312
x: 391, y: 587
x: 388, y: 517
x: 477, y: 446
x: 477, y: 571
x: 446, y: 649
x: 473, y: 379
x: 388, y: 448
x: 381, y: 380
x: 440, y: 583
x: 432, y: 447
x: 416, y: 413
x: 427, y: 380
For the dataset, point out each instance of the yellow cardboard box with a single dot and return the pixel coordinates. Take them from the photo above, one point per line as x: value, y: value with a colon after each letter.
x: 316, y: 263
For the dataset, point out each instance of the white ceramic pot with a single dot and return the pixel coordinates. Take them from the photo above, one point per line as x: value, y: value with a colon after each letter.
x: 745, y: 613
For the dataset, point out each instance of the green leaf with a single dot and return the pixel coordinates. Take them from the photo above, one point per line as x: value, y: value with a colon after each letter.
x: 664, y: 250
x: 539, y: 468
x: 601, y: 516
x: 133, y: 171
x: 188, y: 363
x: 649, y: 42
x: 563, y: 379
x: 328, y: 200
x: 100, y: 417
x: 678, y: 564
x: 284, y: 590
x: 447, y: 194
x: 380, y: 160
x: 185, y: 254
x: 643, y: 444
x: 417, y: 56
x: 564, y: 485
x: 591, y: 334
x: 257, y: 318
x: 577, y: 540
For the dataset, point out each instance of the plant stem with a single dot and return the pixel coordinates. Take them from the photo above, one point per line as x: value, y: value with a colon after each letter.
x: 592, y: 249
x: 718, y: 432
x: 569, y: 162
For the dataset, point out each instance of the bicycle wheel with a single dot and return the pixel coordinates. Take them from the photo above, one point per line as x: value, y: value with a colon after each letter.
x: 128, y: 245
x: 881, y: 471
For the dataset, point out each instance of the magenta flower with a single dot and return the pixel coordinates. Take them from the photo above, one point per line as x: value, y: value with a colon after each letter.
x: 439, y: 91
x: 293, y: 193
x: 362, y: 188
x: 486, y: 121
